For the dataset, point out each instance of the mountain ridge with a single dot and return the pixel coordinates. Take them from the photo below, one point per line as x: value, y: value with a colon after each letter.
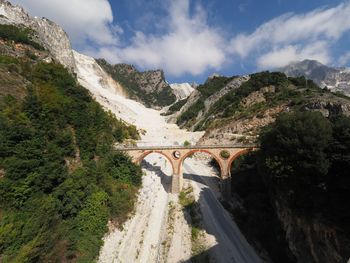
x: 49, y: 34
x: 335, y: 79
x: 148, y: 87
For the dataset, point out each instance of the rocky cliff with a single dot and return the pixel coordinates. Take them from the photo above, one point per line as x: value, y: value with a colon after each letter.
x: 335, y: 79
x: 182, y: 91
x: 149, y: 87
x: 50, y: 35
x: 310, y: 240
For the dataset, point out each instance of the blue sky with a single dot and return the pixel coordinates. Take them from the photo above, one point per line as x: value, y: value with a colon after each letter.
x: 192, y: 39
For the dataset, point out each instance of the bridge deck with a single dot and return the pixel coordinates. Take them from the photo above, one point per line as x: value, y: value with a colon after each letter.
x: 174, y: 147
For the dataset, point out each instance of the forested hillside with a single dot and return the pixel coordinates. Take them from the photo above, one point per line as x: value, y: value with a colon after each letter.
x: 238, y: 108
x: 60, y: 179
x: 294, y: 190
x: 262, y: 92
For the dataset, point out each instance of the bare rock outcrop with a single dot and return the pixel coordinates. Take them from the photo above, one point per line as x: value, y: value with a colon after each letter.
x: 50, y: 35
x: 311, y: 241
x: 148, y: 87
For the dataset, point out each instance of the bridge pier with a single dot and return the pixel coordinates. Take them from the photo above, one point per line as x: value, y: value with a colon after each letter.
x: 225, y: 187
x: 176, y: 183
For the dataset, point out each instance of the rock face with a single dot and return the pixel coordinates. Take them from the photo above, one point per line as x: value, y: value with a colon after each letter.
x: 336, y: 79
x: 149, y: 87
x: 310, y: 240
x: 50, y: 35
x: 182, y: 91
x: 88, y: 72
x: 208, y: 102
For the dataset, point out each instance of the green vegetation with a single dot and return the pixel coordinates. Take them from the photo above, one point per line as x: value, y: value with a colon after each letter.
x: 176, y: 107
x: 272, y: 89
x: 189, y: 204
x: 8, y: 60
x: 303, y: 165
x: 257, y: 218
x: 207, y: 89
x: 187, y: 143
x: 213, y: 85
x: 132, y: 81
x: 189, y: 116
x: 308, y: 155
x: 225, y: 154
x: 231, y: 102
x: 60, y: 179
x: 19, y: 35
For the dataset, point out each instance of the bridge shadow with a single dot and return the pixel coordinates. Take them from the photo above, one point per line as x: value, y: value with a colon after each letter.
x: 230, y: 245
x: 209, y: 181
x: 164, y: 178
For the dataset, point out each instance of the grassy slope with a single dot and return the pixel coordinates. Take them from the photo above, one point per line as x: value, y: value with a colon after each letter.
x: 60, y: 180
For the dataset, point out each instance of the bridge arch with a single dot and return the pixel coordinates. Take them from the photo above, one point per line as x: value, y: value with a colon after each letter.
x: 189, y: 153
x: 145, y: 154
x: 235, y: 156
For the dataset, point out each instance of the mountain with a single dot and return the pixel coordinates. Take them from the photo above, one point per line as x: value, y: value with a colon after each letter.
x: 335, y: 79
x: 182, y: 90
x: 61, y: 181
x: 241, y: 110
x: 149, y: 87
x: 235, y: 109
x: 47, y: 33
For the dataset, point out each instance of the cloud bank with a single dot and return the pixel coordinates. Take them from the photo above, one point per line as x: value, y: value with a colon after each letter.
x: 187, y: 44
x: 294, y: 37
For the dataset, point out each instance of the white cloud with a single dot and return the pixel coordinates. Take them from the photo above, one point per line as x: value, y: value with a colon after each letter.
x: 184, y: 43
x: 344, y: 59
x: 188, y: 46
x: 294, y: 36
x: 85, y: 21
x: 282, y: 56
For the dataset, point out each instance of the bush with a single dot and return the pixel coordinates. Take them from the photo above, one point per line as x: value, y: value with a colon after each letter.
x: 19, y: 34
x: 305, y: 159
x: 63, y: 179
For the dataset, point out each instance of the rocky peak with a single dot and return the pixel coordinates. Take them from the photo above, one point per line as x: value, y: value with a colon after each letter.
x: 49, y: 34
x: 336, y: 79
x: 182, y: 90
x: 149, y: 87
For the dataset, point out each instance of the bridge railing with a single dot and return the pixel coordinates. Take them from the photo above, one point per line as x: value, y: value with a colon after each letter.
x: 177, y: 147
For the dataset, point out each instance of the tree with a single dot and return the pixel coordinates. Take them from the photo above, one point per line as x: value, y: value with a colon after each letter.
x: 294, y: 146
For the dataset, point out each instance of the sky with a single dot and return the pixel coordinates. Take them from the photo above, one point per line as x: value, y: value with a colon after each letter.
x: 193, y: 39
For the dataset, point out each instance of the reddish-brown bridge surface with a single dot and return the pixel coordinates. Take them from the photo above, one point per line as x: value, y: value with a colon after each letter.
x: 224, y: 155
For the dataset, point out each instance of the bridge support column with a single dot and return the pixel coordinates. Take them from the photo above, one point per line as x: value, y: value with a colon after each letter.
x: 176, y: 183
x: 225, y: 183
x: 225, y: 187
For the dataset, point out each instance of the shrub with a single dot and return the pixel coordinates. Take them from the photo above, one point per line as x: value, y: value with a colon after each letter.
x: 19, y: 34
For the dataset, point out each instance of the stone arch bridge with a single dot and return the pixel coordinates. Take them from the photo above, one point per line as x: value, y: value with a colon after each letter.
x: 176, y: 155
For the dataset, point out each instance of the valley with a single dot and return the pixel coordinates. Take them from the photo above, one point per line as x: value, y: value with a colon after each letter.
x: 142, y: 236
x: 68, y: 193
